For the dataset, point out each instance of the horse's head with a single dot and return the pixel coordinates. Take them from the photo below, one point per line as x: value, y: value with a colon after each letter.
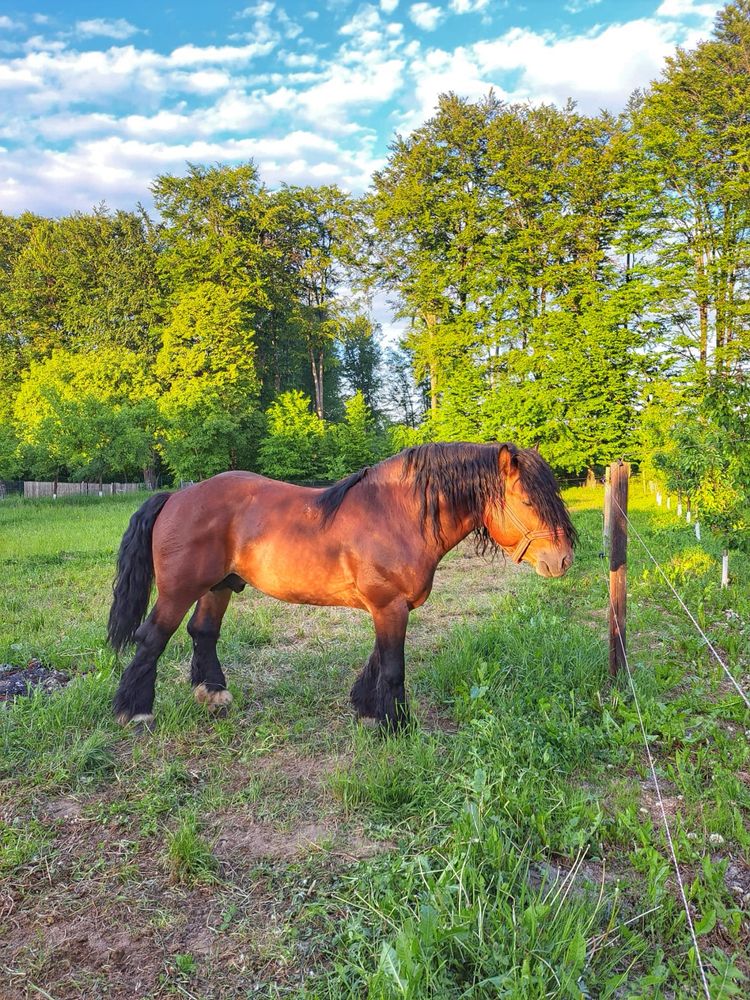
x: 530, y: 521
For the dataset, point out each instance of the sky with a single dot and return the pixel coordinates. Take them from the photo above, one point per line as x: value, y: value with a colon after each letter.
x: 97, y: 98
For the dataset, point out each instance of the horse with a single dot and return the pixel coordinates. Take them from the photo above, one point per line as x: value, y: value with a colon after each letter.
x: 371, y: 541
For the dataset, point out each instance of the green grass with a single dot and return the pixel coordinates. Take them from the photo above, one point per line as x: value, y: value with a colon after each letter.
x: 513, y: 849
x: 191, y: 860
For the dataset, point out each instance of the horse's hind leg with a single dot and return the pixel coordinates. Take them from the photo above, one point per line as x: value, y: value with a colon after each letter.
x: 206, y: 675
x: 134, y: 701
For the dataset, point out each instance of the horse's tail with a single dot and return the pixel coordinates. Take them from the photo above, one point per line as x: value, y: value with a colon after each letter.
x: 135, y: 574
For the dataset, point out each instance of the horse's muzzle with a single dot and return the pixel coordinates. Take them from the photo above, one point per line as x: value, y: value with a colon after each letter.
x: 554, y: 564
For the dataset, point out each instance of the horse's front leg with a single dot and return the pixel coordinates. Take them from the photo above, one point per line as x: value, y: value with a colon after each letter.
x: 364, y: 690
x: 390, y: 632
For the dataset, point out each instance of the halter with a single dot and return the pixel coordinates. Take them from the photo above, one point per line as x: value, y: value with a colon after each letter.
x: 528, y: 536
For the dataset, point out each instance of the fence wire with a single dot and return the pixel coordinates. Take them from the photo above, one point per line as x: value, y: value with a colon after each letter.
x: 684, y: 606
x: 665, y: 822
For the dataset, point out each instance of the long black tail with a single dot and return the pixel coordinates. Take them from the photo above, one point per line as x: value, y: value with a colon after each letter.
x: 135, y: 574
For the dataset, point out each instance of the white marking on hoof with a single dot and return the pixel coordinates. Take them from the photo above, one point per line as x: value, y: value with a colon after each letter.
x: 213, y: 700
x: 143, y: 717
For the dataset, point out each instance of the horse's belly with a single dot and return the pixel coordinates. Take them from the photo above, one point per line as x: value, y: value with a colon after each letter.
x: 298, y: 577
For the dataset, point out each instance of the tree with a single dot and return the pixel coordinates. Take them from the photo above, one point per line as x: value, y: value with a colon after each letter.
x: 497, y: 226
x: 360, y: 358
x: 690, y: 135
x: 295, y: 445
x: 90, y: 413
x: 214, y: 264
x: 355, y: 442
x: 210, y: 387
x: 86, y: 281
x: 691, y: 132
x: 317, y: 220
x: 428, y: 234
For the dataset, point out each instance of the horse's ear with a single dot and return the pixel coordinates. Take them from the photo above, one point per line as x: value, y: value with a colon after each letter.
x: 508, y: 459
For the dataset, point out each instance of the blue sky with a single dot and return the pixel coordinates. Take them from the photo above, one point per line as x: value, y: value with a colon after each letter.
x: 98, y: 98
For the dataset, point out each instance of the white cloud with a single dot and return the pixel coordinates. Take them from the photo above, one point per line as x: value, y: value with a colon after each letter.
x: 119, y: 170
x: 290, y: 28
x: 87, y: 125
x: 261, y: 10
x: 53, y: 78
x: 426, y: 16
x: 468, y: 6
x: 599, y: 68
x: 576, y: 6
x: 299, y: 60
x: 7, y: 23
x: 365, y: 20
x: 118, y: 28
x: 688, y: 8
x: 369, y: 83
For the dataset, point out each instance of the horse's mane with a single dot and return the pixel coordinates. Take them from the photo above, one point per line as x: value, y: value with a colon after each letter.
x: 331, y: 498
x: 467, y: 477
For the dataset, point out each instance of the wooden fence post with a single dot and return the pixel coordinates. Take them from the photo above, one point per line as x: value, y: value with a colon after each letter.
x: 724, y: 569
x: 607, y: 516
x: 618, y: 552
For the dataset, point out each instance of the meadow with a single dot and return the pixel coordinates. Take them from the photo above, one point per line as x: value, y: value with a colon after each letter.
x: 508, y: 845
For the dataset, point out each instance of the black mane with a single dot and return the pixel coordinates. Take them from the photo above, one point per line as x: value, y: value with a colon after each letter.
x: 331, y: 499
x: 467, y: 477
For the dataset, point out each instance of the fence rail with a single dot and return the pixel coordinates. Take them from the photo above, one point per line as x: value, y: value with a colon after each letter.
x: 32, y: 490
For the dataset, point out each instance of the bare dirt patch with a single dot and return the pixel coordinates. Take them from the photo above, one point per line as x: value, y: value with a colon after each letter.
x: 242, y: 841
x: 17, y: 682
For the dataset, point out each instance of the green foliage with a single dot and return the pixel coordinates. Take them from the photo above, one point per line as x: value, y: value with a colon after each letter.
x: 579, y: 282
x: 294, y: 446
x: 92, y: 413
x: 206, y: 365
x: 494, y: 225
x: 354, y: 443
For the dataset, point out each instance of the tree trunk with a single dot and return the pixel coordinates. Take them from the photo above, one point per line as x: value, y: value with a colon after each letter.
x: 316, y: 367
x: 430, y: 321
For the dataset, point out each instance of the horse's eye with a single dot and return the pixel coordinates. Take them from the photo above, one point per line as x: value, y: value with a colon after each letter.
x: 527, y: 503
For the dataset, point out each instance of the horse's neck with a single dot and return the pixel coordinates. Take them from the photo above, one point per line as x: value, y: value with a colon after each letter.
x: 454, y: 526
x: 453, y: 530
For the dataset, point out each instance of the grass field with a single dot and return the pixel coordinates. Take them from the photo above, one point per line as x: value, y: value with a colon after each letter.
x: 509, y: 846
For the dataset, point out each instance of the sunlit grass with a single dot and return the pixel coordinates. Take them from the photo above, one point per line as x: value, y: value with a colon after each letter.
x: 521, y: 854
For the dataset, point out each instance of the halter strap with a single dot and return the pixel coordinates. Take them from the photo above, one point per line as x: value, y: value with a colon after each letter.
x: 528, y: 536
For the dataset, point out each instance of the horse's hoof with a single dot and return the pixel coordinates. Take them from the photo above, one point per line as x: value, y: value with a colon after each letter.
x: 217, y: 702
x: 141, y: 725
x: 144, y: 727
x: 402, y: 722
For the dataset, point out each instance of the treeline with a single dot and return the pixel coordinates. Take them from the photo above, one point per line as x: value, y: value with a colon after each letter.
x: 133, y: 346
x: 574, y: 281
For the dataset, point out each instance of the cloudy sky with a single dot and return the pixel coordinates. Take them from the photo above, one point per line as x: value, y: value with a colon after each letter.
x: 98, y: 98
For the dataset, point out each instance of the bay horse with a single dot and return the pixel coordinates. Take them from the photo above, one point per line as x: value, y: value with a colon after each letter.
x: 371, y: 541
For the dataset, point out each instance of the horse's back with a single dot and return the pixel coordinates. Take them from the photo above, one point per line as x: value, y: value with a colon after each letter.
x: 203, y: 528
